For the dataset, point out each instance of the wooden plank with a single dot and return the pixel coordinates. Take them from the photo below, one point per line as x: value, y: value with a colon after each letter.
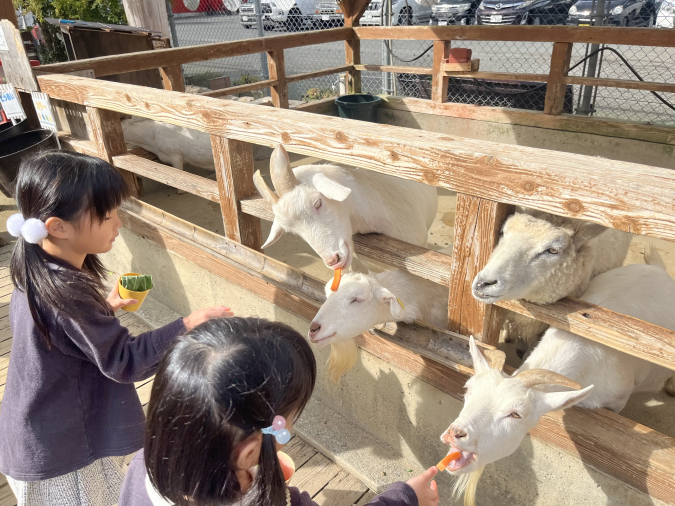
x: 6, y: 495
x: 117, y: 64
x: 454, y: 67
x: 366, y: 498
x: 144, y: 392
x: 314, y: 475
x: 396, y: 68
x: 242, y: 88
x: 167, y: 175
x: 342, y: 490
x: 353, y: 57
x: 234, y: 171
x: 277, y: 71
x: 477, y: 226
x: 15, y: 62
x: 7, y: 11
x: 319, y: 73
x: 501, y: 76
x: 565, y: 122
x: 439, y: 81
x: 172, y: 78
x: 109, y: 138
x: 322, y: 106
x: 81, y: 146
x: 622, y: 83
x: 556, y: 87
x: 630, y: 197
x: 570, y: 34
x: 300, y: 451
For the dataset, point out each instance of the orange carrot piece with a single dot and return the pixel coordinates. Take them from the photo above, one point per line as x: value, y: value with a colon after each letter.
x: 336, y: 280
x: 448, y: 458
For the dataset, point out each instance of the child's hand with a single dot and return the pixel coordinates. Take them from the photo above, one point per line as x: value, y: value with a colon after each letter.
x: 116, y: 302
x: 427, y: 493
x: 202, y: 315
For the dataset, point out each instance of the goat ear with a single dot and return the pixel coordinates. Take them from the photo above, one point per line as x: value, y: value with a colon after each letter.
x: 395, y: 305
x: 275, y: 233
x: 480, y: 363
x: 329, y: 188
x: 585, y: 232
x: 553, y: 401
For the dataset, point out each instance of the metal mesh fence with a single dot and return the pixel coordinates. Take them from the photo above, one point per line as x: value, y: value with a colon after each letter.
x: 233, y: 22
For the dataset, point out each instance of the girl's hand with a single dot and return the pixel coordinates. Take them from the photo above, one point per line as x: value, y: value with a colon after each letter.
x: 202, y: 315
x: 427, y: 493
x: 116, y: 302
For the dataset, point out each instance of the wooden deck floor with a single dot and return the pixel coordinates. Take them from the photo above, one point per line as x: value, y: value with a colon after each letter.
x: 325, y: 481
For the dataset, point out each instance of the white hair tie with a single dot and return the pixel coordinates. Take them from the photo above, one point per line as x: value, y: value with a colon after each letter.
x: 32, y: 229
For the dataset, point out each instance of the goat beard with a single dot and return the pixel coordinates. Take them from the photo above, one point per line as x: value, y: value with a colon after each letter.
x: 343, y: 355
x: 466, y: 484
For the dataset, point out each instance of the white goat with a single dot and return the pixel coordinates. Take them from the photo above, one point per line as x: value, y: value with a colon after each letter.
x: 365, y: 300
x: 326, y: 204
x: 499, y: 410
x: 543, y: 258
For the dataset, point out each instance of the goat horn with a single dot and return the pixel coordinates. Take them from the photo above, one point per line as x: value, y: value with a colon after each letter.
x: 263, y: 189
x: 533, y: 377
x: 280, y: 169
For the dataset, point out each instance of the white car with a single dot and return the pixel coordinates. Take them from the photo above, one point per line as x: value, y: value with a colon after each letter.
x: 665, y: 17
x: 403, y: 12
x: 293, y: 14
x: 247, y: 14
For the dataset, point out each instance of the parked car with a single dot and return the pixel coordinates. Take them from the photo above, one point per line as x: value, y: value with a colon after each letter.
x: 617, y: 13
x: 293, y: 14
x: 665, y: 17
x: 328, y: 13
x: 523, y: 12
x: 403, y: 12
x: 247, y: 14
x: 454, y: 12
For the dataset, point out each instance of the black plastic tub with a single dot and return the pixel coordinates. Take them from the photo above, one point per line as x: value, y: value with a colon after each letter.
x: 361, y: 106
x: 8, y: 130
x: 15, y: 149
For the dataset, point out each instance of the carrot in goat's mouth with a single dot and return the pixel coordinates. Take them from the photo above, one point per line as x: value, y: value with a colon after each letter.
x: 336, y: 280
x: 448, y: 458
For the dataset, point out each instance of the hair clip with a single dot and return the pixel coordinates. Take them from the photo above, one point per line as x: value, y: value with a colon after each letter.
x: 278, y: 430
x: 32, y: 229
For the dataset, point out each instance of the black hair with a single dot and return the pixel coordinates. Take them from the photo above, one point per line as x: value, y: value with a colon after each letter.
x: 216, y: 386
x: 67, y: 186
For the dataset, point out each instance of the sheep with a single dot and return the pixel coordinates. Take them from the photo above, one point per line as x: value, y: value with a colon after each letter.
x: 543, y: 258
x: 499, y: 410
x: 326, y: 204
x: 363, y: 301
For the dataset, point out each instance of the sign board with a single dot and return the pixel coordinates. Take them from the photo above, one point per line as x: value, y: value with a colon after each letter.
x: 11, y: 103
x: 43, y: 107
x: 3, y: 42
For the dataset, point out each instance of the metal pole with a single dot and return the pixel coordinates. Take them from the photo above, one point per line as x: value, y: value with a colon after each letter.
x: 386, y: 55
x: 263, y: 56
x: 586, y: 108
x: 172, y: 26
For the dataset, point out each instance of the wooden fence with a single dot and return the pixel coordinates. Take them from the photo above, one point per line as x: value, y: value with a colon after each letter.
x: 489, y: 178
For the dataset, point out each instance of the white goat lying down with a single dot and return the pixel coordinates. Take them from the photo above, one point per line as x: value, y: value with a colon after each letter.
x: 543, y: 258
x: 365, y: 300
x: 499, y: 410
x: 326, y: 204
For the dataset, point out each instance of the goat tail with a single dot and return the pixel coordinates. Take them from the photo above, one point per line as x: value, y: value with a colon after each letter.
x: 466, y: 484
x: 342, y: 358
x: 652, y: 257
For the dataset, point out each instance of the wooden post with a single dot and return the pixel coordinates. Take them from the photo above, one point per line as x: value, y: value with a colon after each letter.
x: 150, y: 14
x: 477, y: 225
x: 172, y: 77
x: 560, y: 66
x: 234, y: 171
x: 106, y: 129
x: 439, y: 81
x: 7, y: 11
x: 277, y: 70
x: 353, y: 57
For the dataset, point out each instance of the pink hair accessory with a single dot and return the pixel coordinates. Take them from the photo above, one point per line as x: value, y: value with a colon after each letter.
x: 278, y: 430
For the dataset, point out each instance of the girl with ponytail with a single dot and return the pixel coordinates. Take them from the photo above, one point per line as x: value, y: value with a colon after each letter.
x: 70, y: 412
x: 223, y: 403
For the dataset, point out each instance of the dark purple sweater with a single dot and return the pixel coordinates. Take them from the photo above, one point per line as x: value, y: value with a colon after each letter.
x: 67, y: 407
x: 134, y: 492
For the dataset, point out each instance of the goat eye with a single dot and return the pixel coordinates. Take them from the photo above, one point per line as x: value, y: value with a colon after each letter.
x: 515, y: 415
x: 553, y: 251
x: 355, y: 301
x: 317, y: 204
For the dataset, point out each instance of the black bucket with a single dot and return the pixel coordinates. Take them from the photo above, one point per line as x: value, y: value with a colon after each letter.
x: 360, y: 106
x: 8, y: 130
x: 15, y: 149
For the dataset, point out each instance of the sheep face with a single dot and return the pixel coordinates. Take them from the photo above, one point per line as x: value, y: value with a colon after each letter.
x: 359, y: 304
x: 499, y: 411
x: 536, y: 259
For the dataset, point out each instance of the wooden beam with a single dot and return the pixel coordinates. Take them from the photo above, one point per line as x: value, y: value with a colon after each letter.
x: 622, y: 83
x: 234, y: 171
x: 630, y: 197
x: 556, y: 87
x: 322, y: 106
x: 510, y: 33
x: 106, y: 128
x: 119, y: 64
x: 477, y: 226
x: 501, y: 76
x: 395, y: 68
x: 319, y: 73
x: 242, y: 88
x: 439, y: 81
x: 172, y: 76
x: 277, y: 72
x: 353, y: 57
x: 7, y: 11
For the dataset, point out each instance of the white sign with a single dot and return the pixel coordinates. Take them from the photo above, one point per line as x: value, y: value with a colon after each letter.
x: 43, y: 107
x: 10, y: 102
x: 3, y: 41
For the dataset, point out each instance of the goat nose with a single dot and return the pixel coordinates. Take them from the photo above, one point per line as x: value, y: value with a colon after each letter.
x: 458, y: 433
x: 333, y: 260
x: 485, y: 283
x: 314, y: 328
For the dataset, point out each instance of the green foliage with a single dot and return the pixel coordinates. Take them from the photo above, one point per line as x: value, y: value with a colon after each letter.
x: 140, y: 283
x: 318, y: 94
x: 246, y: 79
x: 102, y: 11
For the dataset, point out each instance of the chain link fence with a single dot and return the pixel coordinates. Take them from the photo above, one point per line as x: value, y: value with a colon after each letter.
x: 221, y: 22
